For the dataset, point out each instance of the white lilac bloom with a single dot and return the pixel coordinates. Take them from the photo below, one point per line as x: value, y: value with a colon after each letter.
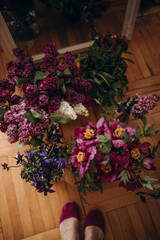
x: 80, y: 109
x: 66, y: 110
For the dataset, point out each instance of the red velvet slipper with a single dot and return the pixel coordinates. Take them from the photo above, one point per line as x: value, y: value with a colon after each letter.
x: 95, y: 218
x: 70, y: 209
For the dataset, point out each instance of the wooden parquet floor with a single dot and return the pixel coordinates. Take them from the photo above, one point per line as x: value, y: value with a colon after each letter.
x: 26, y: 214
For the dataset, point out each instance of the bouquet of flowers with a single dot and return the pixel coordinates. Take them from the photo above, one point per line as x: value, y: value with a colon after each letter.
x: 104, y: 67
x: 52, y: 86
x: 50, y: 91
x: 108, y: 152
x: 138, y: 105
x: 44, y: 164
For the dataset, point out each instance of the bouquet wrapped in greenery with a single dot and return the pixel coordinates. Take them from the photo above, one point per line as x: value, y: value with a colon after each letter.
x: 105, y: 67
x: 108, y: 152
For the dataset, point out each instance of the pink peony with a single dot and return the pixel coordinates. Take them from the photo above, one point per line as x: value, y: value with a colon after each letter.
x: 148, y: 163
x: 81, y: 158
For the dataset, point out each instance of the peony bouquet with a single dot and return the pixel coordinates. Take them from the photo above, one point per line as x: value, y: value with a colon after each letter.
x: 108, y: 152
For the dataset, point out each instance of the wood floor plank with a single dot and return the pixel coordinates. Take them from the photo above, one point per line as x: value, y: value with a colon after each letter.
x: 155, y: 214
x: 126, y: 224
x: 46, y: 212
x: 136, y: 222
x: 22, y: 200
x: 1, y: 231
x: 5, y: 216
x: 115, y: 225
x: 140, y: 59
x: 147, y: 221
x: 14, y: 213
x: 39, y: 223
x: 48, y: 235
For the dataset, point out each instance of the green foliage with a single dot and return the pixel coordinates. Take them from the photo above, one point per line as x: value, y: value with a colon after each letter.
x: 58, y: 118
x: 124, y: 176
x: 105, y: 68
x: 33, y: 116
x: 40, y: 76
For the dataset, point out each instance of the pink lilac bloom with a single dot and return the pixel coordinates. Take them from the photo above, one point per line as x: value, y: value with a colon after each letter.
x: 143, y: 104
x: 12, y: 132
x: 43, y: 100
x: 88, y: 155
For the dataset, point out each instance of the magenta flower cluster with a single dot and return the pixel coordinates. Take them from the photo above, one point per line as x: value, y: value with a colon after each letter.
x: 22, y: 67
x: 6, y: 91
x: 113, y: 41
x: 17, y: 127
x: 46, y: 93
x: 143, y: 103
x: 122, y: 155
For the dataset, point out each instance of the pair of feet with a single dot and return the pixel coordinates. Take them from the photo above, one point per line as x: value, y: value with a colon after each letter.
x: 69, y: 223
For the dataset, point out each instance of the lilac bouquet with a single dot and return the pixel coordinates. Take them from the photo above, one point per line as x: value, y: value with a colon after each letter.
x: 44, y: 164
x: 138, y: 105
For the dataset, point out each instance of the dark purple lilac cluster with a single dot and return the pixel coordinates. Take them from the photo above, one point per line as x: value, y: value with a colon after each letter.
x: 45, y: 164
x: 22, y: 67
x: 6, y: 91
x: 94, y: 8
x: 113, y: 41
x: 46, y: 93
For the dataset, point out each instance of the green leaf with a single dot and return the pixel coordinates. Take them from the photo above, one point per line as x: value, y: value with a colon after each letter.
x: 143, y: 119
x: 33, y: 116
x: 106, y: 158
x: 143, y: 199
x: 34, y: 142
x: 67, y: 72
x: 156, y: 186
x: 110, y: 109
x: 137, y: 133
x: 21, y: 144
x: 40, y: 76
x: 58, y: 118
x: 63, y: 89
x: 89, y: 178
x: 155, y: 148
x: 2, y: 112
x: 20, y: 81
x: 126, y: 137
x: 157, y: 130
x: 99, y: 185
x: 106, y: 149
x: 124, y: 176
x: 37, y: 115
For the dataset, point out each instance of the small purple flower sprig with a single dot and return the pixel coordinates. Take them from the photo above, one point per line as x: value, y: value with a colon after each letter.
x: 138, y: 105
x: 44, y: 164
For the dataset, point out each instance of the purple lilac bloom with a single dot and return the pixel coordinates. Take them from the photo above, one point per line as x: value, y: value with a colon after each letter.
x: 143, y: 104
